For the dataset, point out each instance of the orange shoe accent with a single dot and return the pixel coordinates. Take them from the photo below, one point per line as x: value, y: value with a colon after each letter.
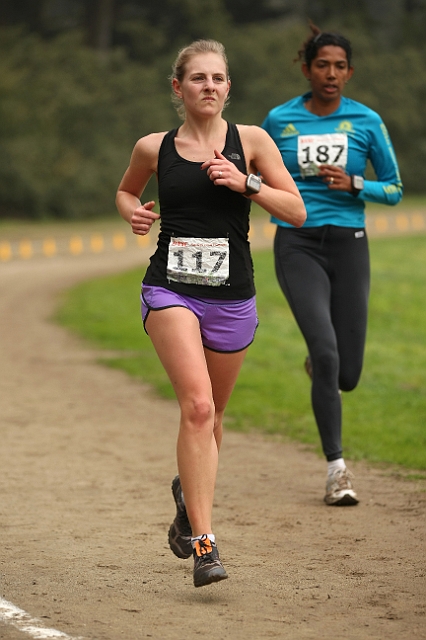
x: 203, y: 546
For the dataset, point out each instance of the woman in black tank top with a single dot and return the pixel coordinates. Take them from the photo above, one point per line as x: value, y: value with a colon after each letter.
x: 208, y: 172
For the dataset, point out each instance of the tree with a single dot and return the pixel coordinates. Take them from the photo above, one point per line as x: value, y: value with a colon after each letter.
x: 100, y: 20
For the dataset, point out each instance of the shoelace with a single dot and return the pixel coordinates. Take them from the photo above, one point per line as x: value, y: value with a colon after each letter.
x: 206, y: 550
x: 343, y: 479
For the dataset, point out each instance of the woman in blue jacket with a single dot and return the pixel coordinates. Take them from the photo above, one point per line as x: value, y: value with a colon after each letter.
x: 323, y: 268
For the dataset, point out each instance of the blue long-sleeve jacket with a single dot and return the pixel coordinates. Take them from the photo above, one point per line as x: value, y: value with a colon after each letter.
x: 349, y: 137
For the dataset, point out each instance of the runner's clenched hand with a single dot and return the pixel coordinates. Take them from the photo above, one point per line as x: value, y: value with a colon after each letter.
x: 224, y: 173
x: 143, y: 218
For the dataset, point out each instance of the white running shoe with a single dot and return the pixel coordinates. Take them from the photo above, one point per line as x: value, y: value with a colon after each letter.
x: 339, y: 491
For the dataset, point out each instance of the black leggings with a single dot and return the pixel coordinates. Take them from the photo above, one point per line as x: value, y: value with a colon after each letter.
x: 324, y: 273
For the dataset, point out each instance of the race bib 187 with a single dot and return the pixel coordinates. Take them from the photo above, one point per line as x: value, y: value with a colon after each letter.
x: 313, y: 151
x: 198, y: 261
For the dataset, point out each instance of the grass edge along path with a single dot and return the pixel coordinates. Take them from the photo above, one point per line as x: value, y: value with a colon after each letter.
x: 384, y: 418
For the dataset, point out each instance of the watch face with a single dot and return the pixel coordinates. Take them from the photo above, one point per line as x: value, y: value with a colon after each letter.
x: 358, y: 182
x: 253, y: 183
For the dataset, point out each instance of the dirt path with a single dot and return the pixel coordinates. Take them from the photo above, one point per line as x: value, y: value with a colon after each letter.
x: 87, y: 457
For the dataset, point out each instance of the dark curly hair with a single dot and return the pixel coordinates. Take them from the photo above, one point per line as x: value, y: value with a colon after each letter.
x: 309, y: 49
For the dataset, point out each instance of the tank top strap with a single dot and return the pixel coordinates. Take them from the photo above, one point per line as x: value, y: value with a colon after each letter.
x: 234, y: 148
x: 232, y: 135
x: 167, y: 147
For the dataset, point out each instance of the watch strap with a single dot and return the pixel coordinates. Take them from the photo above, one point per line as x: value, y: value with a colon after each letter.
x: 355, y: 190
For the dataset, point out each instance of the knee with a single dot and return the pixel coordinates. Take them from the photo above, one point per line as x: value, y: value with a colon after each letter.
x: 325, y: 364
x: 349, y: 378
x: 198, y: 414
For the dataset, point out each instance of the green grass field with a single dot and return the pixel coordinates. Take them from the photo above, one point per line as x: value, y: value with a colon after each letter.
x: 384, y: 418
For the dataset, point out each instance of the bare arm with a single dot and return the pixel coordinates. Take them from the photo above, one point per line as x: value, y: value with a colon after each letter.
x: 143, y: 163
x: 279, y: 194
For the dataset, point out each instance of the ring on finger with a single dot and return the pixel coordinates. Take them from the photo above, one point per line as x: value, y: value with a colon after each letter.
x: 330, y: 180
x: 220, y: 174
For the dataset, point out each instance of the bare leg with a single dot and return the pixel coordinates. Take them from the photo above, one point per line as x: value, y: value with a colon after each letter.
x: 199, y: 379
x: 223, y: 370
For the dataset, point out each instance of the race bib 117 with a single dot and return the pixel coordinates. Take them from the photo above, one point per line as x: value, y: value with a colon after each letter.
x: 202, y: 261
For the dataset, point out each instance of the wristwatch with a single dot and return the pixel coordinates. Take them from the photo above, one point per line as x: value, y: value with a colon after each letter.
x: 357, y: 184
x: 253, y: 184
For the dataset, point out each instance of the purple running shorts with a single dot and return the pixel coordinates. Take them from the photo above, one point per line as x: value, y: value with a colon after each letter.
x: 226, y: 325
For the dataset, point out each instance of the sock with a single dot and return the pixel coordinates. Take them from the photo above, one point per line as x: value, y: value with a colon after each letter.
x: 210, y: 536
x: 333, y: 465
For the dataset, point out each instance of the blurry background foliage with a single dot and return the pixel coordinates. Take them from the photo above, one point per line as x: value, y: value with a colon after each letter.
x: 82, y: 80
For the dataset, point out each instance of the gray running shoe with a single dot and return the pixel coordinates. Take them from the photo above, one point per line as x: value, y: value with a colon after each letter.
x: 207, y: 565
x: 339, y: 489
x: 180, y: 530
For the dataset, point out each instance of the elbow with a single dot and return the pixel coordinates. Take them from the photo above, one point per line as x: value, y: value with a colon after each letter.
x: 393, y: 194
x: 120, y: 204
x: 300, y: 218
x: 397, y: 197
x: 120, y: 198
x: 300, y: 222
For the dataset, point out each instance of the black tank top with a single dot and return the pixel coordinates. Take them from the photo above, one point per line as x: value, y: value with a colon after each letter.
x: 191, y: 206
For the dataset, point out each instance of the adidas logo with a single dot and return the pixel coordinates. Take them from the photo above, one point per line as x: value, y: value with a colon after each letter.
x: 290, y: 130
